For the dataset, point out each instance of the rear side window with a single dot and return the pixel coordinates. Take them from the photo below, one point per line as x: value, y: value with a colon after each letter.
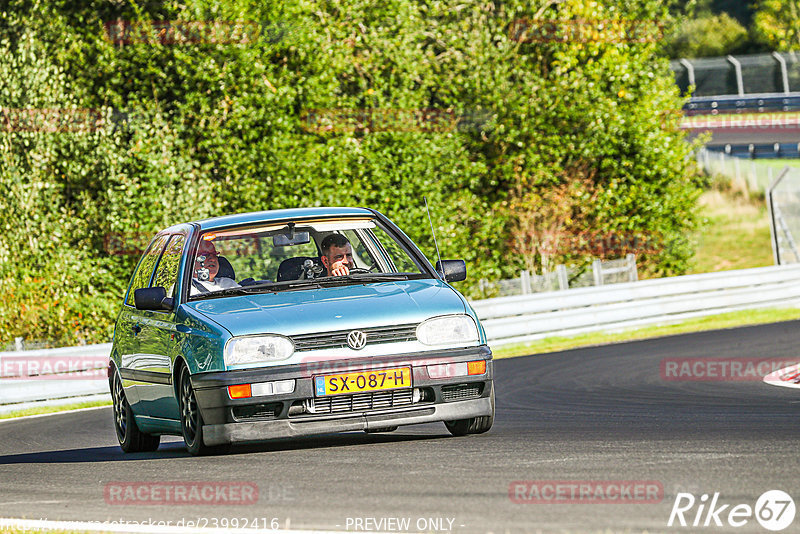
x: 141, y: 278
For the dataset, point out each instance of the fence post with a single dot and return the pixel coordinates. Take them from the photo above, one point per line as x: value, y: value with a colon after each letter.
x: 525, y: 282
x: 597, y: 271
x: 784, y: 72
x: 633, y: 274
x: 563, y: 281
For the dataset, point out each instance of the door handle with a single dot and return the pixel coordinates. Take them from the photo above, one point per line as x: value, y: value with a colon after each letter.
x: 136, y: 328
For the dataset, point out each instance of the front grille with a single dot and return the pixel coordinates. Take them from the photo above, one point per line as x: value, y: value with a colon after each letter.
x: 462, y: 392
x: 361, y: 402
x: 257, y: 412
x: 338, y: 339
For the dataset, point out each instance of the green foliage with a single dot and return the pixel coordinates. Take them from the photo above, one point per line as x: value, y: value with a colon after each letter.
x: 706, y: 36
x: 214, y: 125
x: 776, y: 23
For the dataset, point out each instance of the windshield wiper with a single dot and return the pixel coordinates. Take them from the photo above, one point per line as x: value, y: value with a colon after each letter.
x: 288, y: 285
x: 362, y: 277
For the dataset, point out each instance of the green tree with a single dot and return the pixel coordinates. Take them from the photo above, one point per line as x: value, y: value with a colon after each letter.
x: 488, y: 110
x: 706, y: 36
x: 776, y: 23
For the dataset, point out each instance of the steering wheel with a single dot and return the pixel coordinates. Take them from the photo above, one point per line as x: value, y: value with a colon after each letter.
x: 359, y: 270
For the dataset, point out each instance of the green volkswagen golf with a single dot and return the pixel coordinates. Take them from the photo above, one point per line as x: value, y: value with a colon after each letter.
x: 289, y: 323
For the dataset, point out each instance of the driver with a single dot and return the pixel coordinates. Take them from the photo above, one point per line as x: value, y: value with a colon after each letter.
x: 337, y: 255
x: 206, y: 268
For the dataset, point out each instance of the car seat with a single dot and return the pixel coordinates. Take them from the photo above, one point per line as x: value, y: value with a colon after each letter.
x: 292, y: 268
x: 225, y: 268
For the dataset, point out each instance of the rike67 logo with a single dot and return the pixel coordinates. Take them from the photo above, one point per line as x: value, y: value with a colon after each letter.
x: 774, y: 510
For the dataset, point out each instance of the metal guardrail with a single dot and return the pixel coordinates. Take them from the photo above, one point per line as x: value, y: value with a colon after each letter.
x: 576, y: 311
x: 506, y: 320
x: 778, y: 73
x: 44, y: 374
x: 731, y: 104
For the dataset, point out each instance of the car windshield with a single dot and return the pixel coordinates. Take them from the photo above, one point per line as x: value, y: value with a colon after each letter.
x: 293, y: 256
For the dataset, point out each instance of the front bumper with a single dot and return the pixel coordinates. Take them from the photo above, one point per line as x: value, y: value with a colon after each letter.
x: 279, y: 416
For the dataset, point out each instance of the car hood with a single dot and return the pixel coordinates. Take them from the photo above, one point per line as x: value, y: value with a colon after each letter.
x: 292, y: 313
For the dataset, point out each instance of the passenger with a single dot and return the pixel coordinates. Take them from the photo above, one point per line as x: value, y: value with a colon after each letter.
x: 206, y: 268
x: 337, y: 255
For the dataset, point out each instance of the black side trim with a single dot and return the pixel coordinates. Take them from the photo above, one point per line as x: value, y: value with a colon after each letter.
x: 153, y: 377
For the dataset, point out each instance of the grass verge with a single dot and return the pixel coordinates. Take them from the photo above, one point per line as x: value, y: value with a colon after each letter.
x: 734, y: 233
x: 42, y: 410
x: 711, y: 322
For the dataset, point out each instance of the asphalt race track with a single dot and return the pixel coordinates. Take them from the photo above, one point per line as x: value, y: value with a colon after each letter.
x: 596, y: 414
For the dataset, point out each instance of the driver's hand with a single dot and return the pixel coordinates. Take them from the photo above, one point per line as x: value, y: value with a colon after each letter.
x: 341, y: 270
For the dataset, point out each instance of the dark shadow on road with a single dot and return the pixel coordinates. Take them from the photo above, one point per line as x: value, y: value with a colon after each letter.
x: 177, y: 449
x: 334, y: 440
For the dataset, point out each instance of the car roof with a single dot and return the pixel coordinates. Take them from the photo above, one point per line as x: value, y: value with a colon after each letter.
x: 275, y: 215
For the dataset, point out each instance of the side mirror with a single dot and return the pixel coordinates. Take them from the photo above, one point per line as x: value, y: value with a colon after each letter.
x: 152, y: 298
x: 453, y: 270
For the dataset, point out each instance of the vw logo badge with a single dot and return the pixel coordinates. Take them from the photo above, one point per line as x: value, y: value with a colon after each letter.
x: 356, y: 339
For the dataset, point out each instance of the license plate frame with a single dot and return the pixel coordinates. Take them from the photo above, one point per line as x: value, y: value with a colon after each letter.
x: 348, y: 383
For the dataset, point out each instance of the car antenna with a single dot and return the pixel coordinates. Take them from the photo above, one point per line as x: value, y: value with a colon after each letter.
x: 439, y: 256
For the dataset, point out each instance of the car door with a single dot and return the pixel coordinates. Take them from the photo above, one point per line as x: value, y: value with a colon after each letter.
x: 158, y: 341
x: 129, y: 325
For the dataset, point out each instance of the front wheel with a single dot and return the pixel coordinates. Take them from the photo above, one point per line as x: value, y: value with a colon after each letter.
x: 192, y: 419
x: 130, y: 438
x: 473, y: 425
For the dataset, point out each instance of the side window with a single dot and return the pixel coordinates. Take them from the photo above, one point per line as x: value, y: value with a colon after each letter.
x: 360, y: 254
x: 397, y: 254
x: 167, y: 271
x: 141, y: 277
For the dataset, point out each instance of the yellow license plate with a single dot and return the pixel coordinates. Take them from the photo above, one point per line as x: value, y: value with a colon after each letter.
x: 361, y: 381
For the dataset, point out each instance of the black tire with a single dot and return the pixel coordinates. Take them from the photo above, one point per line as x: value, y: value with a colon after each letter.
x: 130, y: 438
x: 192, y: 419
x: 473, y: 425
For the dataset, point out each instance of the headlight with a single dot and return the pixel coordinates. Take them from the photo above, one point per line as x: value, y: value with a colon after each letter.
x: 448, y: 329
x: 257, y: 349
